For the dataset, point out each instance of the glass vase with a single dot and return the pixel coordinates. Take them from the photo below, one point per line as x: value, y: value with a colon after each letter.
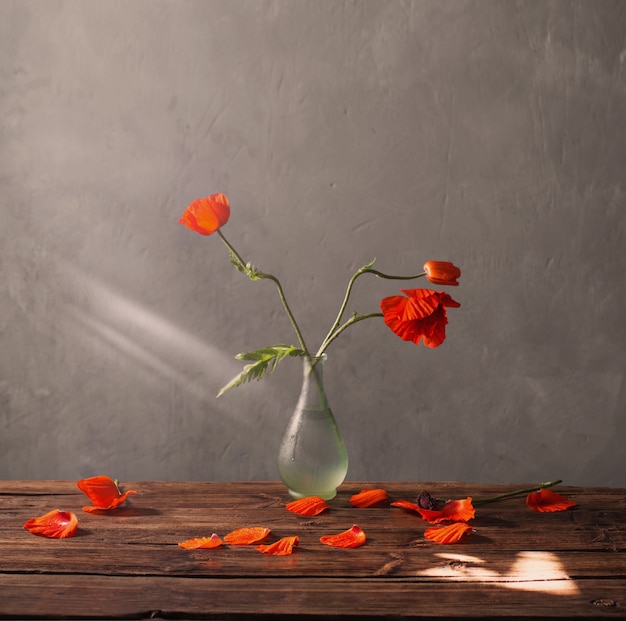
x: 312, y: 459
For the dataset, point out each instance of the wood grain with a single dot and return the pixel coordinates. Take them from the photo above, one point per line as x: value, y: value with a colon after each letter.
x: 127, y: 564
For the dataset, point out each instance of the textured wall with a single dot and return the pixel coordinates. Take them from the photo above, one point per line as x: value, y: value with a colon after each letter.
x: 488, y: 133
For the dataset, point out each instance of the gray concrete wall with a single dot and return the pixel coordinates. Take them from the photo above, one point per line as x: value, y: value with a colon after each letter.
x: 487, y: 133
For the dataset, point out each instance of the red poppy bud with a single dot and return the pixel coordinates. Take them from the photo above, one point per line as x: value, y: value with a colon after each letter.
x: 442, y: 272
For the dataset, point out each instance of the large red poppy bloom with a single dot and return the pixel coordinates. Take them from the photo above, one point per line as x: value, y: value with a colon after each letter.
x: 206, y: 215
x: 420, y: 315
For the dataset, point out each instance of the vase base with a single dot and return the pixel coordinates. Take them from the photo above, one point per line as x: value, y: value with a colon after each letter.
x: 326, y: 495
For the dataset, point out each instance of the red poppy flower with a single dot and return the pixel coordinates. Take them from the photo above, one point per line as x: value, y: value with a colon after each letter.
x: 369, y: 498
x: 447, y: 534
x: 282, y: 547
x: 206, y: 215
x: 351, y: 538
x: 420, y: 315
x: 442, y: 272
x: 311, y: 505
x: 202, y: 543
x: 247, y: 535
x: 547, y: 501
x: 453, y: 510
x: 103, y: 493
x: 55, y: 524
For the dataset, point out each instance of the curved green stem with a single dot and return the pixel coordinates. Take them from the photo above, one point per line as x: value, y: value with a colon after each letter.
x: 332, y: 333
x: 354, y: 319
x: 519, y: 492
x: 255, y: 275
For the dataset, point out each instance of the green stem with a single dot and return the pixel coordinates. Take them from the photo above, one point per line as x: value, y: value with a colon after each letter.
x: 335, y: 330
x: 354, y: 319
x: 258, y: 275
x: 519, y: 492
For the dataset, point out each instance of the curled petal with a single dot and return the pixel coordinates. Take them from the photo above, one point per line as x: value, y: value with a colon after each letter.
x: 282, y: 547
x: 103, y: 493
x: 369, y: 498
x: 547, y: 501
x: 420, y: 315
x: 246, y: 536
x: 453, y: 510
x: 55, y: 524
x: 447, y: 534
x: 442, y: 272
x: 311, y: 505
x: 351, y: 538
x: 206, y: 215
x: 202, y: 542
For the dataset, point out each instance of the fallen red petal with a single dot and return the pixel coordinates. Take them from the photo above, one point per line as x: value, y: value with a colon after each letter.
x: 247, y: 535
x: 103, y: 493
x: 282, y: 547
x: 202, y: 543
x: 447, y: 534
x: 547, y: 501
x: 55, y: 524
x: 369, y: 498
x: 453, y: 510
x: 311, y: 505
x: 351, y: 538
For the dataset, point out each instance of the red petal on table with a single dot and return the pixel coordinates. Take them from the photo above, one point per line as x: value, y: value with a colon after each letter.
x: 453, y: 510
x: 55, y: 524
x: 547, y: 501
x: 351, y: 538
x: 202, y: 543
x: 405, y: 504
x: 369, y: 498
x: 103, y: 493
x: 447, y: 534
x: 247, y: 536
x: 311, y: 505
x: 282, y: 547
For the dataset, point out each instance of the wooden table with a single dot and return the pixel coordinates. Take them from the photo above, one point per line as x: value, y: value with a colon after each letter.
x: 127, y: 564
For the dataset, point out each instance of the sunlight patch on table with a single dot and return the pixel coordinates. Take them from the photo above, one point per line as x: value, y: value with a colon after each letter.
x: 529, y: 571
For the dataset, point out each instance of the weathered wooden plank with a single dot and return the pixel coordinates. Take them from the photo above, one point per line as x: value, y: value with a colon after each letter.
x: 458, y: 562
x: 516, y: 562
x: 148, y: 597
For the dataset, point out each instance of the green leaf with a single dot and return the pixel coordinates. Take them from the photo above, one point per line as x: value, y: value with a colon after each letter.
x: 234, y: 259
x: 369, y: 265
x: 264, y: 361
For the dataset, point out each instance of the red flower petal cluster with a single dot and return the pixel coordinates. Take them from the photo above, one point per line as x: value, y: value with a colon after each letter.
x: 206, y: 215
x: 422, y: 314
x: 452, y: 511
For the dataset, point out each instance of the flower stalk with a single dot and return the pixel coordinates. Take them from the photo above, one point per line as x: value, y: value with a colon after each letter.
x: 515, y: 494
x: 419, y: 314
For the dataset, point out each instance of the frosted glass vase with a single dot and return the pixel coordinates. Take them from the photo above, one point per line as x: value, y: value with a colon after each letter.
x: 312, y: 459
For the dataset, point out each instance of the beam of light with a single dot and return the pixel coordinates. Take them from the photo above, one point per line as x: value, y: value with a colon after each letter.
x: 157, y: 346
x: 530, y: 571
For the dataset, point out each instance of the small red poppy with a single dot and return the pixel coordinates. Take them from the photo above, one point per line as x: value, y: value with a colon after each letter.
x: 206, y: 215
